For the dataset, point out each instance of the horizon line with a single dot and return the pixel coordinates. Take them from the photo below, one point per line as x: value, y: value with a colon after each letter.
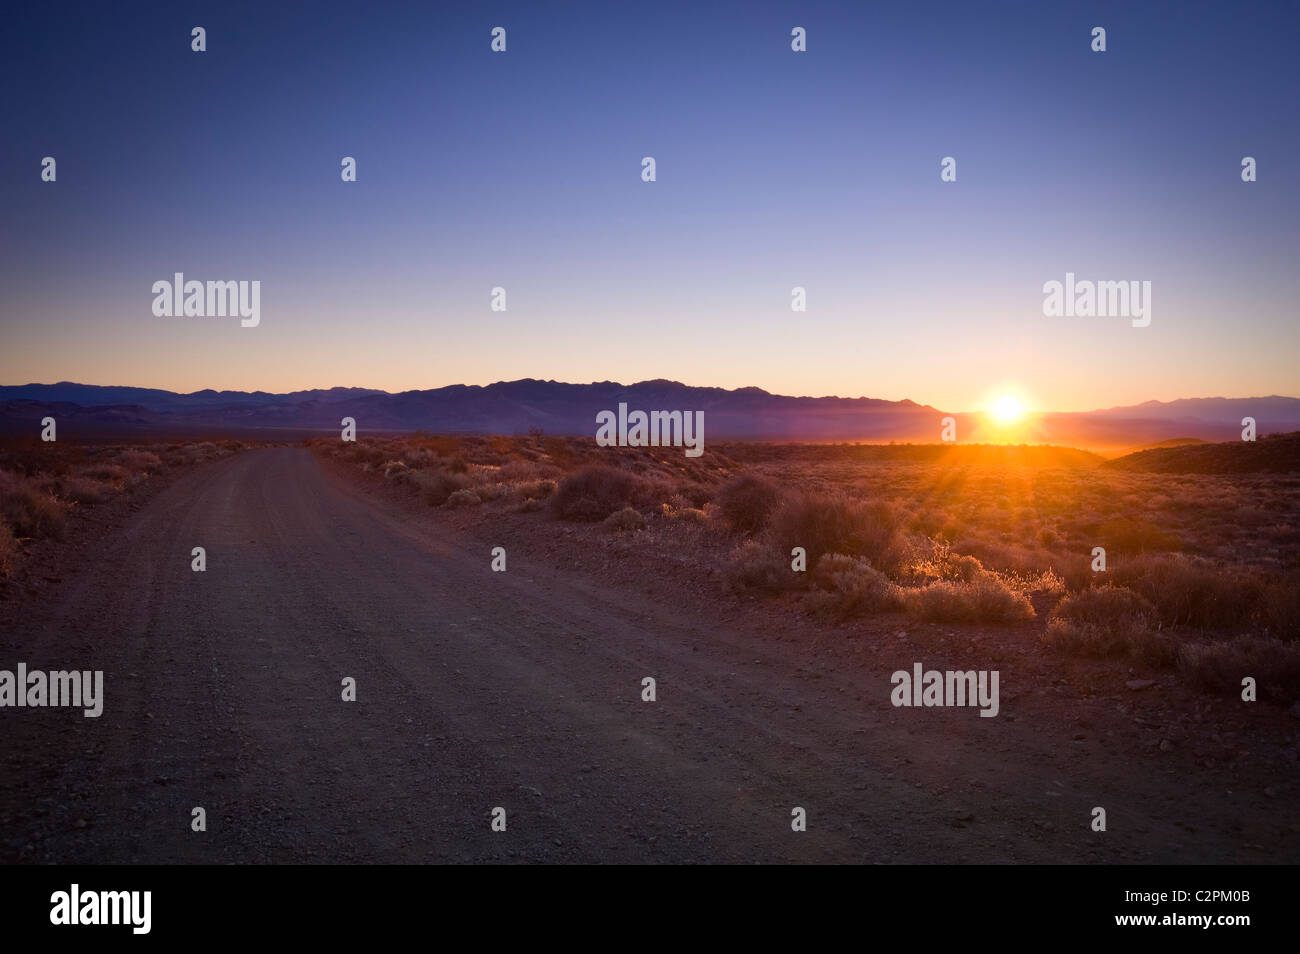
x: 1034, y: 412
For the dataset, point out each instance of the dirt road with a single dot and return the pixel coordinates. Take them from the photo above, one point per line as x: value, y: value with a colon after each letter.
x: 520, y: 690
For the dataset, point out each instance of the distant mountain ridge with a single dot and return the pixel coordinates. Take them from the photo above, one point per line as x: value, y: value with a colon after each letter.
x: 155, y: 399
x: 1275, y: 454
x: 516, y: 407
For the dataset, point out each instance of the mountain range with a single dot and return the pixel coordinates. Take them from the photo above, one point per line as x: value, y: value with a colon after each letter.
x: 88, y: 411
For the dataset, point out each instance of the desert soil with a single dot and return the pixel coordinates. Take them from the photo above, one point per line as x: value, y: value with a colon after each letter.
x: 523, y: 690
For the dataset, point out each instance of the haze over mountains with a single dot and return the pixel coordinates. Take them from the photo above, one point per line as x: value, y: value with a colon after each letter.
x: 516, y: 407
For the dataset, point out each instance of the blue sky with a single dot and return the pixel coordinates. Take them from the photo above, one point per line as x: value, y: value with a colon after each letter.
x: 775, y: 169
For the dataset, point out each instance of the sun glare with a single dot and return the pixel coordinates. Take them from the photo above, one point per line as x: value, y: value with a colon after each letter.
x: 1007, y: 409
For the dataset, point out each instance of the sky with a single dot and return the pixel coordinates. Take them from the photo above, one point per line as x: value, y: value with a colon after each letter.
x: 774, y: 169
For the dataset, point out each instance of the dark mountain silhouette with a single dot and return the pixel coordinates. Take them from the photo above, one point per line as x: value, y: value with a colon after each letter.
x: 1275, y: 454
x: 153, y: 399
x: 515, y: 407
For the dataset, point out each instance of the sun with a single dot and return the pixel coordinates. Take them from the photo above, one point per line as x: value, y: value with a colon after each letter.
x: 1007, y: 409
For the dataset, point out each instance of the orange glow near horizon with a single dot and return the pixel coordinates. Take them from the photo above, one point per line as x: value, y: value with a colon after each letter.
x: 1007, y: 409
x: 1007, y: 418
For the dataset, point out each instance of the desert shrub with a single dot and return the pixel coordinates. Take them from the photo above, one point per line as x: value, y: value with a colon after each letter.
x: 1108, y: 622
x: 463, y: 498
x: 1075, y: 638
x: 418, y: 457
x: 488, y: 492
x: 941, y: 563
x: 8, y: 550
x: 1132, y: 535
x: 1220, y: 666
x: 1044, y: 581
x: 629, y: 518
x: 746, y: 502
x: 851, y: 586
x: 395, y: 469
x: 140, y: 461
x: 456, y: 464
x: 593, y: 493
x: 558, y: 449
x: 518, y: 471
x: 1108, y: 605
x: 536, y: 489
x: 1076, y: 571
x: 442, y: 444
x: 986, y: 599
x: 84, y: 490
x: 359, y: 453
x: 29, y: 511
x: 836, y: 523
x: 674, y: 503
x: 109, y: 473
x: 929, y: 521
x: 754, y: 566
x: 1191, y: 592
x: 1281, y: 607
x: 697, y: 493
x: 964, y: 568
x: 656, y: 490
x: 1014, y: 558
x: 435, y: 486
x: 680, y: 509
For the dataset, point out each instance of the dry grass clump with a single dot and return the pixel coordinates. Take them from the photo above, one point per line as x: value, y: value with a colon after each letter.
x: 139, y: 461
x: 1221, y: 665
x: 746, y: 502
x: 593, y: 493
x: 106, y: 473
x: 535, y: 489
x: 8, y: 550
x: 679, y: 508
x: 84, y: 490
x: 627, y: 519
x: 838, y: 523
x: 434, y: 486
x: 1281, y: 606
x: 851, y: 586
x: 27, y: 509
x: 941, y: 562
x: 984, y: 599
x: 1108, y: 622
x: 1189, y: 591
x: 754, y: 566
